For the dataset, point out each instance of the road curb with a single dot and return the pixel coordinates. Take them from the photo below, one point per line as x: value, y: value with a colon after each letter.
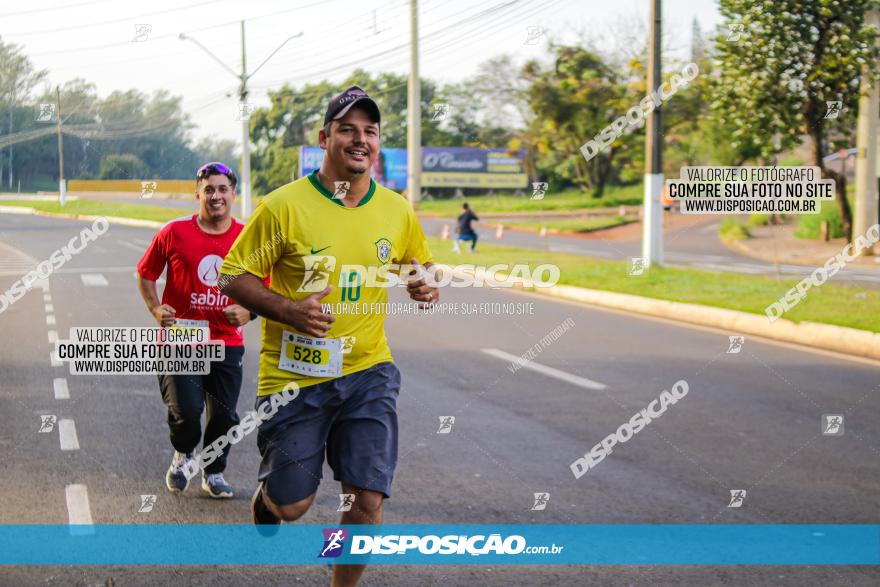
x: 111, y: 219
x: 841, y: 339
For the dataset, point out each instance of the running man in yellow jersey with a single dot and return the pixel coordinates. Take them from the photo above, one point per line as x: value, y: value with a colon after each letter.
x: 319, y: 249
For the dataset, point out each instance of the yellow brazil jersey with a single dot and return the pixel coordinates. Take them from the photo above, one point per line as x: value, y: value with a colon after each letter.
x: 305, y: 239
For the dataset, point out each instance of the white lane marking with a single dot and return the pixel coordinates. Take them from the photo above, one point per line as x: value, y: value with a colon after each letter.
x: 79, y: 513
x: 94, y: 280
x: 53, y: 358
x: 61, y: 390
x: 50, y: 320
x: 15, y: 262
x: 710, y: 227
x: 545, y: 370
x: 53, y: 335
x: 143, y: 244
x: 131, y: 246
x: 49, y: 308
x: 67, y: 433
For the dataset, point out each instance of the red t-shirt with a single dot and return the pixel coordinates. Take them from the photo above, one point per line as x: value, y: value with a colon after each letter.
x: 193, y: 258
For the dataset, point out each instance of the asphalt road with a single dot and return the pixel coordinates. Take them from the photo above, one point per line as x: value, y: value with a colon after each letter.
x: 750, y: 421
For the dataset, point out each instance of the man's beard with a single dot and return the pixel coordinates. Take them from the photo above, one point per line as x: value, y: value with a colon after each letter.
x: 354, y: 171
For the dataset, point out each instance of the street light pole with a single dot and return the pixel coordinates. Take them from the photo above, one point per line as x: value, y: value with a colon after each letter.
x: 62, y: 192
x: 652, y: 218
x: 414, y: 112
x: 867, y: 155
x: 243, y: 78
x: 245, y: 134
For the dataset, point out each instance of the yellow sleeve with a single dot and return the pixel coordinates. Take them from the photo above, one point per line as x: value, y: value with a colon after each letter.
x: 258, y: 247
x: 416, y: 243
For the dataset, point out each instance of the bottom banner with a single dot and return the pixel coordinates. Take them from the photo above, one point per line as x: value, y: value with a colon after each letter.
x: 303, y: 544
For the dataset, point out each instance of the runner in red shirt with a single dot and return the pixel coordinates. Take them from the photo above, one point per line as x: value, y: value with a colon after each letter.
x: 193, y: 248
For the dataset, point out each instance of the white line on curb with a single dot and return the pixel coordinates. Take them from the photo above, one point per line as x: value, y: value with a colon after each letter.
x: 79, y: 513
x: 67, y: 433
x: 544, y: 369
x: 61, y: 390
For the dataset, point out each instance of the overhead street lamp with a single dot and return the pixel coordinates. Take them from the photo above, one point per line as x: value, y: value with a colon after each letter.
x: 243, y: 78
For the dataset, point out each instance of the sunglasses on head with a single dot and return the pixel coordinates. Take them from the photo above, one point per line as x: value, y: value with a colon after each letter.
x: 207, y: 168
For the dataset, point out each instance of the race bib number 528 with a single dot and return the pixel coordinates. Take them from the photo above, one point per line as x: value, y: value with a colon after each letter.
x: 314, y: 357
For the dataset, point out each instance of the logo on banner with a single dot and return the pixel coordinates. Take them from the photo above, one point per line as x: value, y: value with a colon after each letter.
x: 334, y: 541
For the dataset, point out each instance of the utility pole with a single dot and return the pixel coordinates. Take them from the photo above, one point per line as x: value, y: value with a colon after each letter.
x: 245, y: 134
x: 652, y: 218
x: 414, y: 112
x: 244, y: 112
x: 62, y: 192
x: 867, y: 163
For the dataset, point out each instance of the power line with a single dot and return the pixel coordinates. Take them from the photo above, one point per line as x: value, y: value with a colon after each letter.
x: 174, y: 35
x: 51, y: 8
x: 114, y: 21
x: 402, y: 46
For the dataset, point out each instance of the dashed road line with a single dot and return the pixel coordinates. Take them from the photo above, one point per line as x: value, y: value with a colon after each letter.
x: 60, y: 386
x: 50, y: 320
x: 94, y: 280
x: 52, y: 335
x: 79, y: 512
x: 53, y: 358
x: 67, y: 434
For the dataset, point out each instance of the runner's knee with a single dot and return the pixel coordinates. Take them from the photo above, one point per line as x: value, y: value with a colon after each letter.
x: 368, y: 503
x: 292, y: 511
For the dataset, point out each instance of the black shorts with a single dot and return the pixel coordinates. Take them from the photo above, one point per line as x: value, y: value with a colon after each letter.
x: 353, y: 418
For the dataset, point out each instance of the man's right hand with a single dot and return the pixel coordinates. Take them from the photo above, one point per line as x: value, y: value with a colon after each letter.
x: 164, y: 315
x: 308, y: 317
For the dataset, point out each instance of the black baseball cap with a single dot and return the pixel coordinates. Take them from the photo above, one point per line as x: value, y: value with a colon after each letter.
x: 342, y: 103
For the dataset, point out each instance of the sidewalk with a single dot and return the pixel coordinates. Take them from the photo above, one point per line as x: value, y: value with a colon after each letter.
x: 777, y: 244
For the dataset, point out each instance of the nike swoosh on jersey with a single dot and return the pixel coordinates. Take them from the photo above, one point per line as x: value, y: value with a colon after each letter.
x: 314, y: 252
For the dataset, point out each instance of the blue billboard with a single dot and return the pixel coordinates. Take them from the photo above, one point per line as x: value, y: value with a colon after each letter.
x: 441, y: 167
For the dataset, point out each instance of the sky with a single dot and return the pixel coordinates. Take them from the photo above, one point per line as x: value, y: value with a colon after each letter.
x: 124, y: 44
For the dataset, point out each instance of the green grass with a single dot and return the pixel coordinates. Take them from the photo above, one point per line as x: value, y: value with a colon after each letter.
x: 573, y: 224
x: 809, y: 225
x: 630, y: 195
x: 101, y: 208
x: 734, y: 230
x: 831, y: 303
x: 756, y: 220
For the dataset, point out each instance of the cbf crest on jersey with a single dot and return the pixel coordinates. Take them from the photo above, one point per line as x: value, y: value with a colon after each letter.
x: 383, y: 249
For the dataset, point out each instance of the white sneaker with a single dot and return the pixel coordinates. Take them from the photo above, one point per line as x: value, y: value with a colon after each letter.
x: 176, y: 479
x: 216, y: 486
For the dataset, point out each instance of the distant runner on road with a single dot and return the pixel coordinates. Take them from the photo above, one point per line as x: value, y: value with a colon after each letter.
x: 466, y: 230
